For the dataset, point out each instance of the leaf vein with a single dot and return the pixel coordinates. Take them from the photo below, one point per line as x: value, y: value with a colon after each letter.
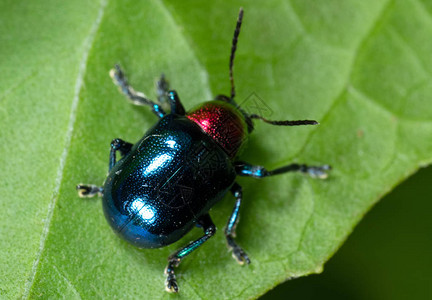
x: 62, y: 162
x: 364, y: 96
x: 356, y: 51
x: 410, y: 50
x: 69, y: 283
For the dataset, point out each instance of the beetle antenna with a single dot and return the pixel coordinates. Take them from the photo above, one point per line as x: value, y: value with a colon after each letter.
x: 284, y: 123
x: 233, y: 50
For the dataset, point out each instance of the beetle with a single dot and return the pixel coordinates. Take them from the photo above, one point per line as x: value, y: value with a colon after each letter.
x: 167, y: 182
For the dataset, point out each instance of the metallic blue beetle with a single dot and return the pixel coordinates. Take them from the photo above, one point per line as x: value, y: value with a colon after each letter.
x: 166, y: 183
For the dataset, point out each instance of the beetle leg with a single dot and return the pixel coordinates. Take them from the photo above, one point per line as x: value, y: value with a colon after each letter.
x: 237, y: 252
x: 165, y: 95
x: 176, y: 105
x: 118, y: 145
x: 246, y: 169
x: 136, y: 98
x: 162, y: 88
x: 174, y: 259
x: 89, y: 190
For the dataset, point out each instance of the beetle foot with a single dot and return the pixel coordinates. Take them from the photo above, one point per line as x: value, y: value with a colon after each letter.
x: 320, y: 172
x: 237, y: 252
x: 240, y: 256
x: 171, y: 285
x: 117, y: 74
x: 89, y: 190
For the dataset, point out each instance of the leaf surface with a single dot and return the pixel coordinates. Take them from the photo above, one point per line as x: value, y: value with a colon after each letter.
x: 362, y: 69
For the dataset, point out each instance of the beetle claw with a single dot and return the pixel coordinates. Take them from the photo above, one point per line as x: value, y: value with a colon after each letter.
x: 88, y: 190
x: 240, y: 256
x: 320, y: 172
x: 171, y: 284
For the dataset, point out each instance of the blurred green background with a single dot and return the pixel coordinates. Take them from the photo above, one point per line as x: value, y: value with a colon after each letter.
x: 388, y: 256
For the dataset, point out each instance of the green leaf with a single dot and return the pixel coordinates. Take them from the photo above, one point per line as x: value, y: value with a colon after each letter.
x: 361, y: 68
